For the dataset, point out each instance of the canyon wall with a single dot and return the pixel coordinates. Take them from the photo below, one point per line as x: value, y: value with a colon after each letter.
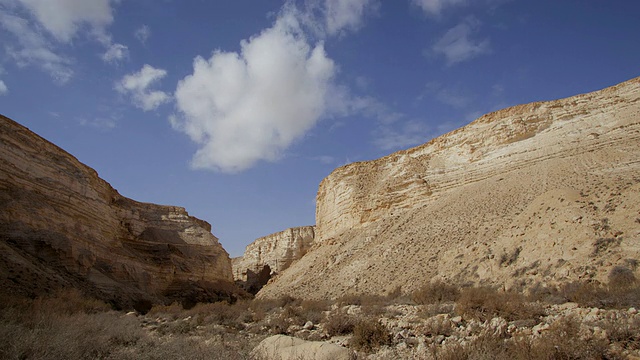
x: 277, y: 251
x: 540, y: 193
x: 63, y: 226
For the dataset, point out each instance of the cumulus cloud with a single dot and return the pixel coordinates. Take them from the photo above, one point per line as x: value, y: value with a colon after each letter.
x: 33, y: 49
x: 435, y: 7
x: 63, y: 18
x: 250, y: 106
x: 457, y: 45
x: 143, y: 34
x: 3, y: 88
x: 137, y: 85
x: 115, y: 53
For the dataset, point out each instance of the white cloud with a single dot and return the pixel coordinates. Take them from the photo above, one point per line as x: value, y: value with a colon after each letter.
x: 143, y: 34
x: 457, y: 45
x: 33, y: 49
x: 137, y: 85
x: 115, y: 53
x: 63, y: 18
x: 3, y: 88
x: 250, y: 106
x: 435, y: 7
x: 346, y: 14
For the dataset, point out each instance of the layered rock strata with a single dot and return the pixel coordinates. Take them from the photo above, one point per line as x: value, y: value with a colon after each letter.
x: 545, y: 192
x: 61, y: 225
x: 276, y: 252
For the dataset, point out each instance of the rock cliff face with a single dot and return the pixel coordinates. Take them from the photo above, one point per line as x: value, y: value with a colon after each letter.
x: 277, y: 251
x: 61, y: 225
x: 543, y: 192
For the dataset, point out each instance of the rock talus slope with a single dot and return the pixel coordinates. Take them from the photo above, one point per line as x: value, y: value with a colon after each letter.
x: 545, y: 192
x: 278, y: 251
x: 63, y: 226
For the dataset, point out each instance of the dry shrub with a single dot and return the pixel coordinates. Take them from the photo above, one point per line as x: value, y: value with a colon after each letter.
x: 622, y: 328
x: 484, y: 303
x: 435, y: 293
x: 69, y: 301
x: 339, y: 323
x: 369, y: 335
x: 172, y: 311
x: 438, y: 325
x: 563, y: 340
x: 221, y: 313
x: 621, y: 277
x: 592, y: 294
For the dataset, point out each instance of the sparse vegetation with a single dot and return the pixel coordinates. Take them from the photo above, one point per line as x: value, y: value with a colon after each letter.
x: 484, y: 303
x: 467, y: 323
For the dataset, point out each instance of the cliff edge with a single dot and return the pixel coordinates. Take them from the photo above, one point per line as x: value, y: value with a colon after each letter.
x: 63, y: 226
x: 534, y: 194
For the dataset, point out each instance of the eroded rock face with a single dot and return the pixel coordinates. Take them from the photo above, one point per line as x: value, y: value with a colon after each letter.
x: 272, y: 254
x: 61, y: 225
x: 543, y: 192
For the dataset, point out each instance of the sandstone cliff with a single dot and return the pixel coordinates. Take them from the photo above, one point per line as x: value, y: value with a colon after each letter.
x: 61, y: 225
x: 271, y: 254
x: 543, y: 192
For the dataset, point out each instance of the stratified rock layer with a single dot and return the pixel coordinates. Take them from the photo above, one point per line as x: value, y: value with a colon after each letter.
x: 277, y: 251
x: 63, y: 226
x: 544, y: 192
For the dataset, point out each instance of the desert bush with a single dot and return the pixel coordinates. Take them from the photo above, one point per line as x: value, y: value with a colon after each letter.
x: 484, y: 303
x: 435, y: 293
x: 172, y: 311
x: 438, y: 325
x: 593, y: 294
x: 621, y: 277
x: 369, y: 335
x: 69, y: 301
x: 339, y: 323
x: 622, y: 328
x: 563, y: 340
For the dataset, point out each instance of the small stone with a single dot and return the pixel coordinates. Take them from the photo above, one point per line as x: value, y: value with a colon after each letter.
x: 308, y: 325
x: 456, y: 319
x: 632, y: 311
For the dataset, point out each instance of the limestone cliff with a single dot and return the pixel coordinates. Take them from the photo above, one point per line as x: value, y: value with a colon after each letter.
x: 275, y: 252
x: 542, y: 192
x: 61, y: 225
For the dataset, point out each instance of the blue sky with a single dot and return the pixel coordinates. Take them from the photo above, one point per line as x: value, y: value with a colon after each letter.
x: 236, y: 110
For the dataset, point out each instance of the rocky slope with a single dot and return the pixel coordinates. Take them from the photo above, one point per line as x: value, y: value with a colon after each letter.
x: 545, y: 192
x: 271, y: 254
x: 61, y: 225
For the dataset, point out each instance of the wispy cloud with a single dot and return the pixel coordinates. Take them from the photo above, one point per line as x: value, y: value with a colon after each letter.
x: 33, y: 49
x: 143, y: 34
x: 401, y: 136
x: 326, y: 18
x: 457, y: 44
x: 115, y: 53
x: 3, y: 88
x: 250, y: 106
x: 435, y: 7
x: 138, y: 84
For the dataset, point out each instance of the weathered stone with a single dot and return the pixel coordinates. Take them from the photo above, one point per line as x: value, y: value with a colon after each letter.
x: 281, y: 347
x: 63, y: 226
x: 270, y: 255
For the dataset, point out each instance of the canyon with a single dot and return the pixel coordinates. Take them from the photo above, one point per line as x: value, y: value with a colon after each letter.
x: 270, y: 255
x: 62, y: 226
